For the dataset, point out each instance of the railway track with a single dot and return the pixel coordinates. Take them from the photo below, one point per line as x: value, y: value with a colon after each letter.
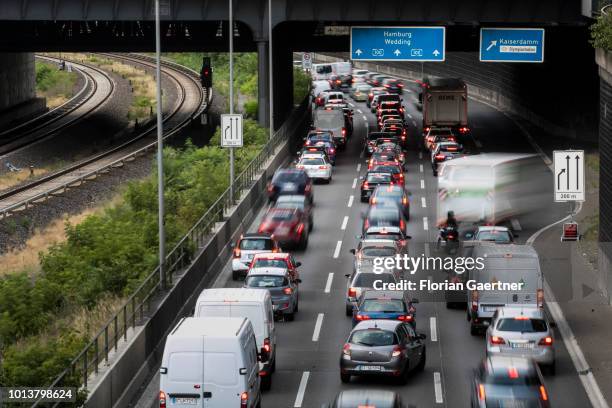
x: 191, y: 102
x: 98, y: 88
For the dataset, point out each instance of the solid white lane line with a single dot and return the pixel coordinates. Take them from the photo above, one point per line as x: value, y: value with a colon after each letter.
x: 350, y: 201
x: 301, y: 390
x: 421, y: 168
x: 422, y: 183
x: 358, y: 167
x: 354, y: 183
x: 317, y: 329
x: 423, y: 203
x: 433, y: 329
x: 437, y: 387
x: 359, y: 111
x: 365, y: 118
x: 425, y: 225
x: 328, y: 284
x: 420, y: 155
x: 337, y: 250
x: 409, y: 115
x: 344, y: 222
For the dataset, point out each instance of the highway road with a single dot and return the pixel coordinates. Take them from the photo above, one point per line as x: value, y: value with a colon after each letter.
x: 309, y: 348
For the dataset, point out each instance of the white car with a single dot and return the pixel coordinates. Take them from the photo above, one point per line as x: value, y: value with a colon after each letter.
x: 316, y: 166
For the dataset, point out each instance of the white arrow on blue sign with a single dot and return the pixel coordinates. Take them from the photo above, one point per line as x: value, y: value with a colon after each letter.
x: 512, y: 45
x: 398, y: 43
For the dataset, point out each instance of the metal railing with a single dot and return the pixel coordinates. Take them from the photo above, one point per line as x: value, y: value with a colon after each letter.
x: 138, y: 304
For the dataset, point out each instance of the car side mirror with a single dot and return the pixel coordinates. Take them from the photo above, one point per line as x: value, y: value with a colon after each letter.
x: 515, y: 235
x: 298, y: 264
x: 408, y: 236
x: 358, y: 236
x: 468, y: 235
x: 347, y: 275
x: 421, y: 336
x: 352, y: 251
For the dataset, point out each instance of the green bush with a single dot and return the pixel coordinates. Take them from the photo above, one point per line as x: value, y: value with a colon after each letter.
x: 601, y: 32
x: 301, y: 85
x: 250, y: 109
x: 51, y: 81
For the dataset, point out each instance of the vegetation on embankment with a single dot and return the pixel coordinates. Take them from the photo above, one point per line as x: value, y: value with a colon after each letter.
x: 53, y: 84
x: 601, y: 32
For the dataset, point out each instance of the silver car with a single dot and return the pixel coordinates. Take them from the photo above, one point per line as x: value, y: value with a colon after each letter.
x: 382, y: 348
x: 316, y: 166
x: 282, y: 286
x: 522, y: 332
x: 369, y: 249
x: 363, y: 278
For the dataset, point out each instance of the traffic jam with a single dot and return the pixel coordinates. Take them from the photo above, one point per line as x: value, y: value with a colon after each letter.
x: 386, y: 347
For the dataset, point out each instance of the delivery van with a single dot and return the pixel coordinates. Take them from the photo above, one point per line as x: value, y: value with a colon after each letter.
x: 504, y: 264
x: 210, y: 362
x: 254, y: 304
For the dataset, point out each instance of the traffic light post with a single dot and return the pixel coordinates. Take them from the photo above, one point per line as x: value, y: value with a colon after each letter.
x: 206, y: 73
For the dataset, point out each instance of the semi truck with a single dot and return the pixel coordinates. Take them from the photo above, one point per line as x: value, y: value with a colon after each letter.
x: 444, y: 102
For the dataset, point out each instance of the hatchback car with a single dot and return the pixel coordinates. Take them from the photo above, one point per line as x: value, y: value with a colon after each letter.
x: 394, y: 233
x: 384, y: 216
x: 497, y: 234
x: 385, y: 195
x: 363, y: 278
x: 288, y: 225
x: 329, y: 148
x: 373, y: 92
x: 380, y: 157
x: 317, y: 135
x: 445, y: 151
x: 372, y: 180
x: 247, y: 247
x: 434, y: 134
x: 316, y: 166
x: 290, y: 181
x: 277, y: 260
x: 385, y: 304
x: 504, y: 381
x: 360, y: 92
x: 283, y: 289
x: 299, y: 202
x: 369, y: 249
x: 366, y: 398
x: 382, y: 348
x: 394, y: 168
x: 393, y: 85
x: 524, y: 332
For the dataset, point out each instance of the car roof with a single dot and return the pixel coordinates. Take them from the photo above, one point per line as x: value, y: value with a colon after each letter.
x: 313, y: 155
x: 272, y: 255
x: 383, y: 294
x: 377, y: 241
x: 366, y: 397
x: 498, y: 364
x: 290, y: 198
x: 492, y: 228
x: 516, y: 311
x: 258, y: 235
x: 273, y: 271
x: 377, y: 324
x: 377, y: 230
x: 390, y: 187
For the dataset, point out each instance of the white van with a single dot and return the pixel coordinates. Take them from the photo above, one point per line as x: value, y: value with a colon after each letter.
x: 254, y: 304
x: 506, y: 264
x: 321, y: 71
x: 342, y: 68
x: 210, y: 363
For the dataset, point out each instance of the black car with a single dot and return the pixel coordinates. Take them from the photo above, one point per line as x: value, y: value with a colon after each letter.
x: 445, y: 151
x: 372, y: 180
x: 393, y: 85
x: 366, y: 398
x: 290, y: 181
x: 384, y: 216
x: 502, y: 381
x: 392, y: 195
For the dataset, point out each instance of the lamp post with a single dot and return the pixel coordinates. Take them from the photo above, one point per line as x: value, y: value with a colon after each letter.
x: 231, y: 93
x: 270, y: 76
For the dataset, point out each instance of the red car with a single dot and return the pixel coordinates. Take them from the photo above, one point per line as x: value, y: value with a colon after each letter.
x: 277, y: 260
x: 289, y: 226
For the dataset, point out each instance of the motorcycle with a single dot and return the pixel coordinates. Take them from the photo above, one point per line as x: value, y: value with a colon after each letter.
x: 449, y: 237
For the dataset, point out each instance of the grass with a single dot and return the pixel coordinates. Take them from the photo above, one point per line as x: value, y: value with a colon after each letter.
x: 27, y: 257
x: 13, y: 178
x: 55, y: 85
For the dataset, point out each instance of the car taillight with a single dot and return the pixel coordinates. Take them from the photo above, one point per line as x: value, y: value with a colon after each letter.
x: 405, y: 318
x: 352, y: 292
x: 270, y: 187
x: 332, y: 150
x: 244, y: 399
x: 427, y: 129
x: 308, y: 142
x: 474, y: 300
x: 343, y: 132
x: 387, y: 86
x: 543, y: 393
x: 397, y: 350
x: 300, y: 228
x: 439, y: 157
x: 481, y: 392
x: 287, y: 291
x: 307, y: 187
x: 236, y: 252
x: 402, y: 225
x: 366, y: 224
x: 540, y: 298
x: 362, y: 317
x: 400, y: 85
x: 266, y: 345
x: 322, y: 167
x: 373, y: 200
x: 365, y: 184
x: 497, y: 340
x: 464, y: 129
x: 162, y: 399
x: 370, y: 95
x: 404, y: 200
x: 546, y: 341
x: 346, y: 349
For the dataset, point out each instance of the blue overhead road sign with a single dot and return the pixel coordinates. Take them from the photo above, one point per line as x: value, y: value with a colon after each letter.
x: 512, y: 44
x: 397, y: 43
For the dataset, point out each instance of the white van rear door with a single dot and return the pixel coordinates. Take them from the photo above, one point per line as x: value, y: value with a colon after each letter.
x: 221, y: 387
x: 184, y: 380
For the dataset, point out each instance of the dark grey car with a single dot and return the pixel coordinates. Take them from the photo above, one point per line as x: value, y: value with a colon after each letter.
x: 283, y: 289
x: 382, y: 348
x: 366, y: 398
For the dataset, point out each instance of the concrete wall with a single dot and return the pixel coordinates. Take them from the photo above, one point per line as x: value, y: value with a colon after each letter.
x: 18, y: 87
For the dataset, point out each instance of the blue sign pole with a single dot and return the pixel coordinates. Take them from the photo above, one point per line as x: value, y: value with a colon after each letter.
x: 398, y: 43
x: 512, y: 45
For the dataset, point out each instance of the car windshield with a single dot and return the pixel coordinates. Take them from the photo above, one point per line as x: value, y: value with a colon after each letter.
x: 378, y: 251
x: 373, y: 338
x: 288, y: 177
x: 366, y: 279
x: 312, y: 162
x: 383, y: 306
x: 281, y: 215
x: 269, y: 263
x: 329, y: 119
x: 256, y: 244
x: 494, y: 236
x: 266, y: 281
x: 290, y: 202
x: 379, y: 178
x: 522, y: 325
x: 388, y: 169
x: 383, y: 156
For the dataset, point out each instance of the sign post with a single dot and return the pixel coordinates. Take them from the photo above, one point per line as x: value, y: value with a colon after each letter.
x: 512, y: 45
x: 398, y: 43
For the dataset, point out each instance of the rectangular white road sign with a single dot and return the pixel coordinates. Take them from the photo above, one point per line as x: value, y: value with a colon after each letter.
x: 231, y: 130
x: 569, y: 175
x: 306, y: 61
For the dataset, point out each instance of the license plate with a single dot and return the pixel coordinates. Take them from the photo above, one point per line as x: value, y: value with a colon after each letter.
x: 522, y: 345
x: 185, y: 401
x: 489, y: 308
x: 370, y: 368
x: 290, y: 186
x: 282, y: 231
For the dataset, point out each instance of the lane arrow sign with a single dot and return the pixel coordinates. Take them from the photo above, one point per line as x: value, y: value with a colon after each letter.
x: 493, y: 44
x: 436, y: 53
x: 397, y: 52
x: 358, y: 51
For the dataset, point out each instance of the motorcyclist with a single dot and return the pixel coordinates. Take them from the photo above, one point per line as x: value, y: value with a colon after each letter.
x: 451, y: 221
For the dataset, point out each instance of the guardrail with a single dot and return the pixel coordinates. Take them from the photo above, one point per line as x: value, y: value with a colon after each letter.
x: 24, y: 204
x: 133, y: 310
